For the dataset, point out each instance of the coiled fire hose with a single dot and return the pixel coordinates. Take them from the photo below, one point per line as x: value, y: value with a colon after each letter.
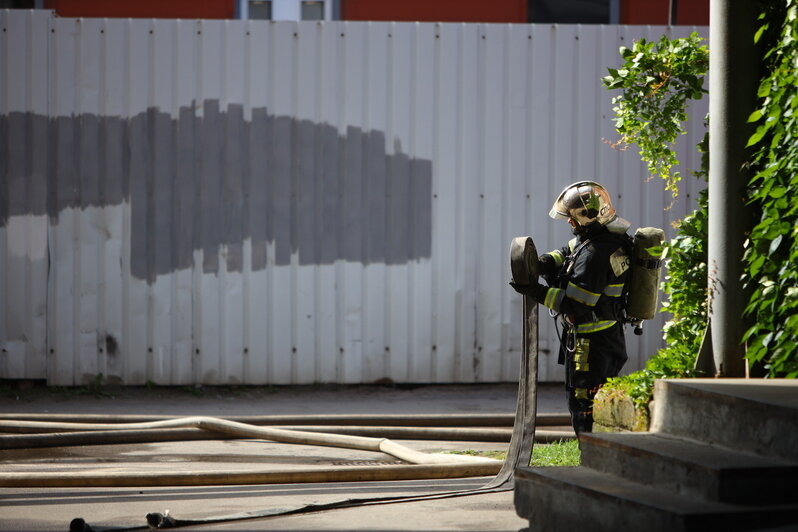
x: 523, y: 257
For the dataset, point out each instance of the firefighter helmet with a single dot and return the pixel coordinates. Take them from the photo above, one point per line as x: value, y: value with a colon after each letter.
x: 584, y: 202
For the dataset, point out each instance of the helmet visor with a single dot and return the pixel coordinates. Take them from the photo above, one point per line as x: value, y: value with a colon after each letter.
x: 585, y: 202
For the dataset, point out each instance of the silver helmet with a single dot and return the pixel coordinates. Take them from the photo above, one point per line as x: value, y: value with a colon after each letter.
x: 584, y: 202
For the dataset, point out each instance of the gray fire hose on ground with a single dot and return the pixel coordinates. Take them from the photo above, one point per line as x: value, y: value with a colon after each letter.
x: 23, y: 434
x: 523, y: 263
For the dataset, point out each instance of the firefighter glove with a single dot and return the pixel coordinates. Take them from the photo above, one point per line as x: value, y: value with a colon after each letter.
x: 534, y: 290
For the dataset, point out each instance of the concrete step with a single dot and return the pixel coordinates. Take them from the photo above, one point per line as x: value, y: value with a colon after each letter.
x: 691, y: 468
x: 578, y: 498
x: 758, y: 416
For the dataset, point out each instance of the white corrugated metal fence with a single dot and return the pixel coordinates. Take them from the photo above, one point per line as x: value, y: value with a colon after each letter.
x: 276, y: 202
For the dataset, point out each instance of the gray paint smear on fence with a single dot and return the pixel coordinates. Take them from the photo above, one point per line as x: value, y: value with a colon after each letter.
x: 201, y: 182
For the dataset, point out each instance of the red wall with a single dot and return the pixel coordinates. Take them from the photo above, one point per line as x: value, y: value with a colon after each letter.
x: 435, y: 11
x: 143, y: 8
x: 693, y: 12
x: 644, y: 12
x: 688, y: 12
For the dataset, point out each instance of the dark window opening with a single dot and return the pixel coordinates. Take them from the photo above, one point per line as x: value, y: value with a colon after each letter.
x: 313, y: 10
x: 569, y: 11
x: 17, y: 4
x: 260, y: 9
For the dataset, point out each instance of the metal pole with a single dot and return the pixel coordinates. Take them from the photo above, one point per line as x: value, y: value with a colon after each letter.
x: 615, y: 12
x: 733, y: 78
x: 672, y: 9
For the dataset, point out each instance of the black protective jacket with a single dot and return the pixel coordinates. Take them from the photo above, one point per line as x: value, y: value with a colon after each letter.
x: 586, y: 287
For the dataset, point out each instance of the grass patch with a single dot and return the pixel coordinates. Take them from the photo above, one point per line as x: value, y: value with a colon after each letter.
x: 496, y: 455
x: 561, y: 453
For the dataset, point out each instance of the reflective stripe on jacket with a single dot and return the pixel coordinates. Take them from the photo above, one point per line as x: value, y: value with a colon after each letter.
x: 587, y: 288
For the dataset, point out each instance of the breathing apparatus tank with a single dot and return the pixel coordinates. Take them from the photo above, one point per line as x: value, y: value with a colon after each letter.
x: 643, y: 286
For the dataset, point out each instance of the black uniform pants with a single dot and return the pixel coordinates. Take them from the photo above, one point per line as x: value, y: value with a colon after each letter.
x: 590, y: 359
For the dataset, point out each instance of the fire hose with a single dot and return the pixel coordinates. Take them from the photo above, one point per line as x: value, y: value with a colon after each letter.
x: 523, y: 257
x: 24, y: 434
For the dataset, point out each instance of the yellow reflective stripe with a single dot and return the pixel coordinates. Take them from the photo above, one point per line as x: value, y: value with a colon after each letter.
x: 581, y: 354
x: 553, y: 298
x: 581, y: 393
x: 557, y: 256
x: 572, y: 244
x: 614, y: 290
x: 594, y: 326
x: 581, y: 295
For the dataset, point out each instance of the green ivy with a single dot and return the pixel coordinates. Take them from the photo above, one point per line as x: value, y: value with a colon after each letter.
x: 771, y: 254
x: 657, y: 81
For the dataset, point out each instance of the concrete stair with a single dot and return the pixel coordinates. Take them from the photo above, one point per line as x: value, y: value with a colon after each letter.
x: 722, y: 455
x: 691, y: 468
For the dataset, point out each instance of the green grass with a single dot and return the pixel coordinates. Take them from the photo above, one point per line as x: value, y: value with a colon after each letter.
x: 496, y: 455
x: 561, y: 453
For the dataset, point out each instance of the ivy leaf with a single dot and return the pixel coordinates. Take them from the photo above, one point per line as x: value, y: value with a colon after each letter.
x: 757, y: 136
x: 764, y: 88
x: 756, y: 265
x: 755, y: 116
x: 778, y: 192
x: 759, y: 32
x: 766, y: 339
x: 774, y: 244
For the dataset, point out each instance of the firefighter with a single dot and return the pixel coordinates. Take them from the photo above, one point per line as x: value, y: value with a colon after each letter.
x: 585, y: 292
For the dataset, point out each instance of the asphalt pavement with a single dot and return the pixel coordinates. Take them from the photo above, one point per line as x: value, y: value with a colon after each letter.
x: 45, y: 509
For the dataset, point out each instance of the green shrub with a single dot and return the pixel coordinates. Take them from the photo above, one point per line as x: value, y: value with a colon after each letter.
x: 685, y: 287
x: 658, y: 81
x: 771, y: 256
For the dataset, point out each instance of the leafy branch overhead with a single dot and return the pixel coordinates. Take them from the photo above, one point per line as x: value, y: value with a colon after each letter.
x: 657, y: 79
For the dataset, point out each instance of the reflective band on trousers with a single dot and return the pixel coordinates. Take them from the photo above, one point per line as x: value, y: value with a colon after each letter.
x: 581, y: 295
x: 595, y: 326
x: 581, y: 351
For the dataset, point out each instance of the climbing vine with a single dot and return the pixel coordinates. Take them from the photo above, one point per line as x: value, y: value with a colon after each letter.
x: 771, y: 254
